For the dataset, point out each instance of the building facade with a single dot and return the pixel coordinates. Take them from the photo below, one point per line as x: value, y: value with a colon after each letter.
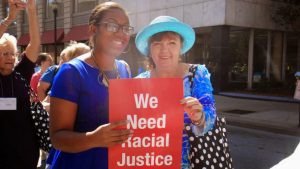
x: 236, y: 39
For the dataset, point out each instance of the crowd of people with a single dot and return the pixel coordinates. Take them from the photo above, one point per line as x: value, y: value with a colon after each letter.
x: 75, y: 92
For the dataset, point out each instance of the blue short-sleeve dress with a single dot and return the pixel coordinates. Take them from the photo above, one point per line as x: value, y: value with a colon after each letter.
x: 78, y: 82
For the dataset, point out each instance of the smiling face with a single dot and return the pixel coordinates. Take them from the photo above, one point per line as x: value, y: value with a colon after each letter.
x: 111, y: 43
x: 165, y: 50
x: 7, y: 57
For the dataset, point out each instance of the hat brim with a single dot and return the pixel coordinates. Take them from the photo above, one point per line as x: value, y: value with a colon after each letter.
x: 184, y: 30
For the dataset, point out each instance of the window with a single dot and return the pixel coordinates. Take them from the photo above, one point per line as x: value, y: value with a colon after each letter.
x: 276, y: 56
x: 60, y: 8
x: 291, y: 60
x: 200, y: 51
x: 238, y: 52
x: 84, y: 5
x: 260, y: 55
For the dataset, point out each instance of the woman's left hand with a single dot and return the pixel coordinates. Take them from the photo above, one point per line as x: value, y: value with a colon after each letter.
x: 194, y: 110
x: 15, y: 6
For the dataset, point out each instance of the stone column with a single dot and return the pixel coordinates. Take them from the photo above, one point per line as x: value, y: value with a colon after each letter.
x: 277, y: 51
x: 284, y: 56
x: 268, y: 64
x: 298, y: 52
x: 68, y: 10
x: 41, y: 9
x: 250, y: 60
x: 219, y: 57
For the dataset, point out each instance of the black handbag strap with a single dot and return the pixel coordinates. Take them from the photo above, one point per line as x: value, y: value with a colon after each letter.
x: 39, y: 115
x: 192, y: 73
x: 20, y: 77
x: 31, y: 93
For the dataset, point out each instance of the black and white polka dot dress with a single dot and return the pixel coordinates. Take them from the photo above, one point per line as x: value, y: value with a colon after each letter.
x: 211, y: 150
x: 40, y: 117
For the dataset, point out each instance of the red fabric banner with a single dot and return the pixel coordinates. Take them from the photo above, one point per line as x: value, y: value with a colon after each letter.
x: 153, y: 108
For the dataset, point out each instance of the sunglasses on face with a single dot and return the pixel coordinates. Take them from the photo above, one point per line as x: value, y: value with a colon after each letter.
x: 7, y: 54
x: 113, y: 27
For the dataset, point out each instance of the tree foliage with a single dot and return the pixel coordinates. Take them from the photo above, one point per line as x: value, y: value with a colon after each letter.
x: 287, y: 14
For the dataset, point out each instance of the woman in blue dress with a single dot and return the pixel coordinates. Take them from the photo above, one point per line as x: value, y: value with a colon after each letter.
x: 163, y: 41
x: 79, y: 127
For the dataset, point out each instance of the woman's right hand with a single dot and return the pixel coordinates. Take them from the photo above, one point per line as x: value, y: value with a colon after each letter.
x: 111, y: 134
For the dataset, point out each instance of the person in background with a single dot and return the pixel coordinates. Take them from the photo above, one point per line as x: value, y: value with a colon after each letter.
x: 18, y: 143
x: 44, y: 60
x: 70, y: 52
x: 164, y: 40
x: 79, y: 127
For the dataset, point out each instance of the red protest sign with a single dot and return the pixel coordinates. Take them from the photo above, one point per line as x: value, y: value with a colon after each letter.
x: 153, y: 108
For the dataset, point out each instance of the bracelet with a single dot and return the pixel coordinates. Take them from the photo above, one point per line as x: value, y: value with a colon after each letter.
x: 3, y: 23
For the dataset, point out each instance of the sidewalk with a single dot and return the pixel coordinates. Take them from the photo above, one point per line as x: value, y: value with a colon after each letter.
x: 279, y: 117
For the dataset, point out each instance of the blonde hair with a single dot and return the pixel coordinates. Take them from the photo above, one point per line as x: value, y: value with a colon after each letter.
x: 75, y: 49
x: 8, y: 39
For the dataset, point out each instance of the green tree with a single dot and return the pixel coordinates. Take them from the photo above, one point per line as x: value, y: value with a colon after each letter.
x: 287, y: 14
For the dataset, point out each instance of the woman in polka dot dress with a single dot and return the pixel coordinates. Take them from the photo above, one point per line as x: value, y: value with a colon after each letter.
x: 163, y: 41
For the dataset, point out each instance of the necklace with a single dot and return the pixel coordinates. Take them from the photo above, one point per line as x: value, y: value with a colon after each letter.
x: 105, y: 79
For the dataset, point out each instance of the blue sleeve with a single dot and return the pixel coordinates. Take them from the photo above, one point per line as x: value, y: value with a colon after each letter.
x: 123, y: 69
x: 202, y: 90
x: 145, y: 74
x: 66, y: 84
x: 48, y: 75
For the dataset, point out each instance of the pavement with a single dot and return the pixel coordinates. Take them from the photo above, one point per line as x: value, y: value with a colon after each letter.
x: 275, y: 116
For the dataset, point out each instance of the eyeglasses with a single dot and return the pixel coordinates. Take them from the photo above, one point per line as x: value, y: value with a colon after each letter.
x: 113, y: 27
x: 6, y: 54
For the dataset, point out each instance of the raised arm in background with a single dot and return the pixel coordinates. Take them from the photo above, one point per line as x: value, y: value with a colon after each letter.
x: 32, y: 50
x: 15, y: 6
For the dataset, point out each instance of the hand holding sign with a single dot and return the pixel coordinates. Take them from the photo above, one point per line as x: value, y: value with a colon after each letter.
x: 108, y: 135
x: 194, y: 109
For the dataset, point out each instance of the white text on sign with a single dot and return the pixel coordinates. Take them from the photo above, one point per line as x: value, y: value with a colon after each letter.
x: 136, y: 121
x: 144, y: 100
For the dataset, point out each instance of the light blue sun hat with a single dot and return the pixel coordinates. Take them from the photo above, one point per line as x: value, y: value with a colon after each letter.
x: 163, y: 24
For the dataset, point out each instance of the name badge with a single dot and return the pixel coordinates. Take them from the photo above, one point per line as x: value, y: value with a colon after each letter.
x: 8, y: 103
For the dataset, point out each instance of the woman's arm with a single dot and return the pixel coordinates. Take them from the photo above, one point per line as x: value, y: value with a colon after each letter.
x: 63, y: 136
x: 15, y: 6
x: 46, y: 103
x: 203, y: 92
x: 42, y: 88
x: 45, y: 82
x: 32, y: 49
x: 200, y: 107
